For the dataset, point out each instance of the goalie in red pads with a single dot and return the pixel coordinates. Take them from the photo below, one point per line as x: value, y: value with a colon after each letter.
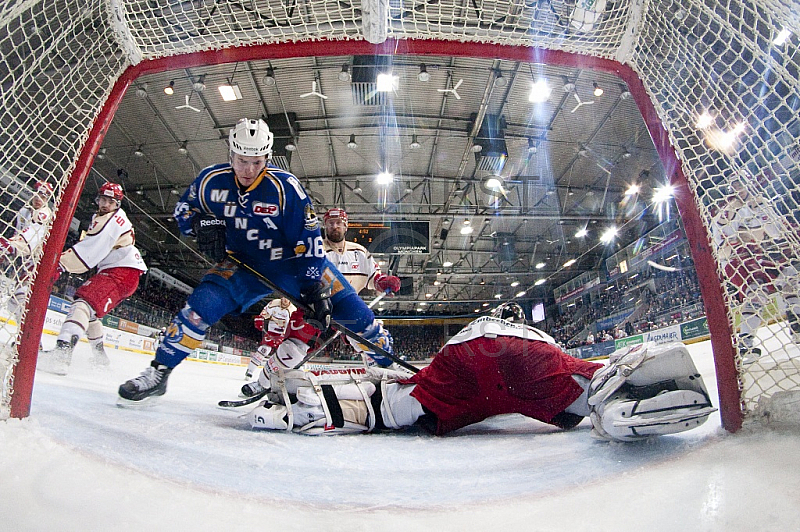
x: 495, y: 365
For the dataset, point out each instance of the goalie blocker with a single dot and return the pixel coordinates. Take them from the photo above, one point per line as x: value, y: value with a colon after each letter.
x: 644, y: 391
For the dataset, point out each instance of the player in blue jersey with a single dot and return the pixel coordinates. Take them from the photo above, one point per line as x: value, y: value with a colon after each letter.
x: 263, y: 216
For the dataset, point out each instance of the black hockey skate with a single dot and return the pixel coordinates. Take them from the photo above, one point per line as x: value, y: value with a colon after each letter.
x: 151, y: 383
x: 251, y: 389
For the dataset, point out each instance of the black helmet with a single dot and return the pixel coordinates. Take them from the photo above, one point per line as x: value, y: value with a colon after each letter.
x: 510, y: 312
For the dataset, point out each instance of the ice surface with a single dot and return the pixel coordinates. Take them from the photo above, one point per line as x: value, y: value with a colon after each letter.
x: 82, y: 463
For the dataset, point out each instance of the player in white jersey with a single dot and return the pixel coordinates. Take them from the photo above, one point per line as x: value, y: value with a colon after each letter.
x: 31, y: 224
x: 750, y: 237
x: 273, y: 321
x: 108, y: 246
x: 353, y: 260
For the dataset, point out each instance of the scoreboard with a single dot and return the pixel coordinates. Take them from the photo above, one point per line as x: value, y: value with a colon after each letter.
x: 391, y: 238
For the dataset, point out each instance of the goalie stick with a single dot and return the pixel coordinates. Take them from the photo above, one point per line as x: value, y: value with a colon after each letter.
x: 334, y: 324
x: 311, y: 354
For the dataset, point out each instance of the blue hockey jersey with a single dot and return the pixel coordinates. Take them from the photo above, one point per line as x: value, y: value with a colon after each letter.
x: 271, y: 226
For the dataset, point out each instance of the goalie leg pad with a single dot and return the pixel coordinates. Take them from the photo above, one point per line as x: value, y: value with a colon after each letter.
x: 644, y: 365
x: 624, y: 418
x: 648, y: 390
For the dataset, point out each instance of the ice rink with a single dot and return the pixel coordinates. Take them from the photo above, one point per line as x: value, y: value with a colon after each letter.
x: 82, y: 463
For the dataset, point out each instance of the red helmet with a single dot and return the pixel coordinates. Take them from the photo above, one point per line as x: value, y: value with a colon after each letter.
x: 111, y: 190
x: 44, y: 189
x: 335, y: 213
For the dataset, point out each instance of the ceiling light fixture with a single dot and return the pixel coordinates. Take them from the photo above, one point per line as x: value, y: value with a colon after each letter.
x: 344, y: 75
x: 384, y: 178
x: 352, y: 144
x: 182, y: 148
x: 141, y: 92
x: 540, y: 265
x: 199, y: 85
x: 169, y: 90
x: 782, y: 37
x: 568, y: 85
x: 608, y: 236
x: 598, y: 91
x: 290, y: 145
x: 386, y: 82
x: 633, y: 189
x: 532, y: 148
x: 499, y: 80
x: 230, y: 92
x: 358, y: 189
x: 101, y: 154
x: 540, y: 282
x: 477, y: 148
x: 423, y: 73
x: 269, y: 77
x: 139, y: 152
x: 540, y: 91
x: 569, y: 263
x: 414, y: 142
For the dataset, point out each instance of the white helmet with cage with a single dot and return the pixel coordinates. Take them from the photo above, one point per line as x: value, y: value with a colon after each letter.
x: 251, y: 137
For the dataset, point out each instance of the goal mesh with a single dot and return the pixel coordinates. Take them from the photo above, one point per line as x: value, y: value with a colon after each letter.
x: 63, y: 63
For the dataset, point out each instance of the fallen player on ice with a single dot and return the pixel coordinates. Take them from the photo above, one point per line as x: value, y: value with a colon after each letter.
x: 495, y: 365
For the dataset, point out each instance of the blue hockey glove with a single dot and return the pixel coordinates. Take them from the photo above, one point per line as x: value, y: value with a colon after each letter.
x: 211, y: 236
x: 318, y: 299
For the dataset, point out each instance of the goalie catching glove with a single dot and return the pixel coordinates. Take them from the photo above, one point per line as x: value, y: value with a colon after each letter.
x: 211, y: 236
x: 647, y: 390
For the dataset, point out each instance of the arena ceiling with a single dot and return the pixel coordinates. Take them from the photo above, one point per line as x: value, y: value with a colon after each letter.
x: 565, y: 163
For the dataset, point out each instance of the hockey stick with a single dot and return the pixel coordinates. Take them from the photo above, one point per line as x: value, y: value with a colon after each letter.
x: 334, y: 324
x: 242, y: 402
x: 311, y: 354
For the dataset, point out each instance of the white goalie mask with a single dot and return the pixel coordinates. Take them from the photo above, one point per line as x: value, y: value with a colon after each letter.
x: 511, y: 312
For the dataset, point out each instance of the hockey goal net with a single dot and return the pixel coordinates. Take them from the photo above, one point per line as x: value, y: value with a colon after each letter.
x: 65, y: 65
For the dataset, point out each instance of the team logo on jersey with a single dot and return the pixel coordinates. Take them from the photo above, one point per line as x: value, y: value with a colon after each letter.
x: 265, y: 209
x: 312, y: 272
x: 311, y: 220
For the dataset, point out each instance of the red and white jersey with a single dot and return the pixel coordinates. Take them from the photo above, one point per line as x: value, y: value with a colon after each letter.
x: 744, y: 222
x: 108, y: 243
x: 275, y: 317
x: 495, y: 367
x: 355, y: 263
x: 31, y: 225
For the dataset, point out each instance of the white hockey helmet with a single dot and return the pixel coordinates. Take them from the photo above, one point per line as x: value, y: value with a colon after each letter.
x: 251, y: 138
x: 510, y: 311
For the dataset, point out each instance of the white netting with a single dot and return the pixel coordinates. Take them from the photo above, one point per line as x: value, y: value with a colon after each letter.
x: 59, y: 60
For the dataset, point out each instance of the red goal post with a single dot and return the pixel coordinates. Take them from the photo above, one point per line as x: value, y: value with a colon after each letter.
x: 647, y: 36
